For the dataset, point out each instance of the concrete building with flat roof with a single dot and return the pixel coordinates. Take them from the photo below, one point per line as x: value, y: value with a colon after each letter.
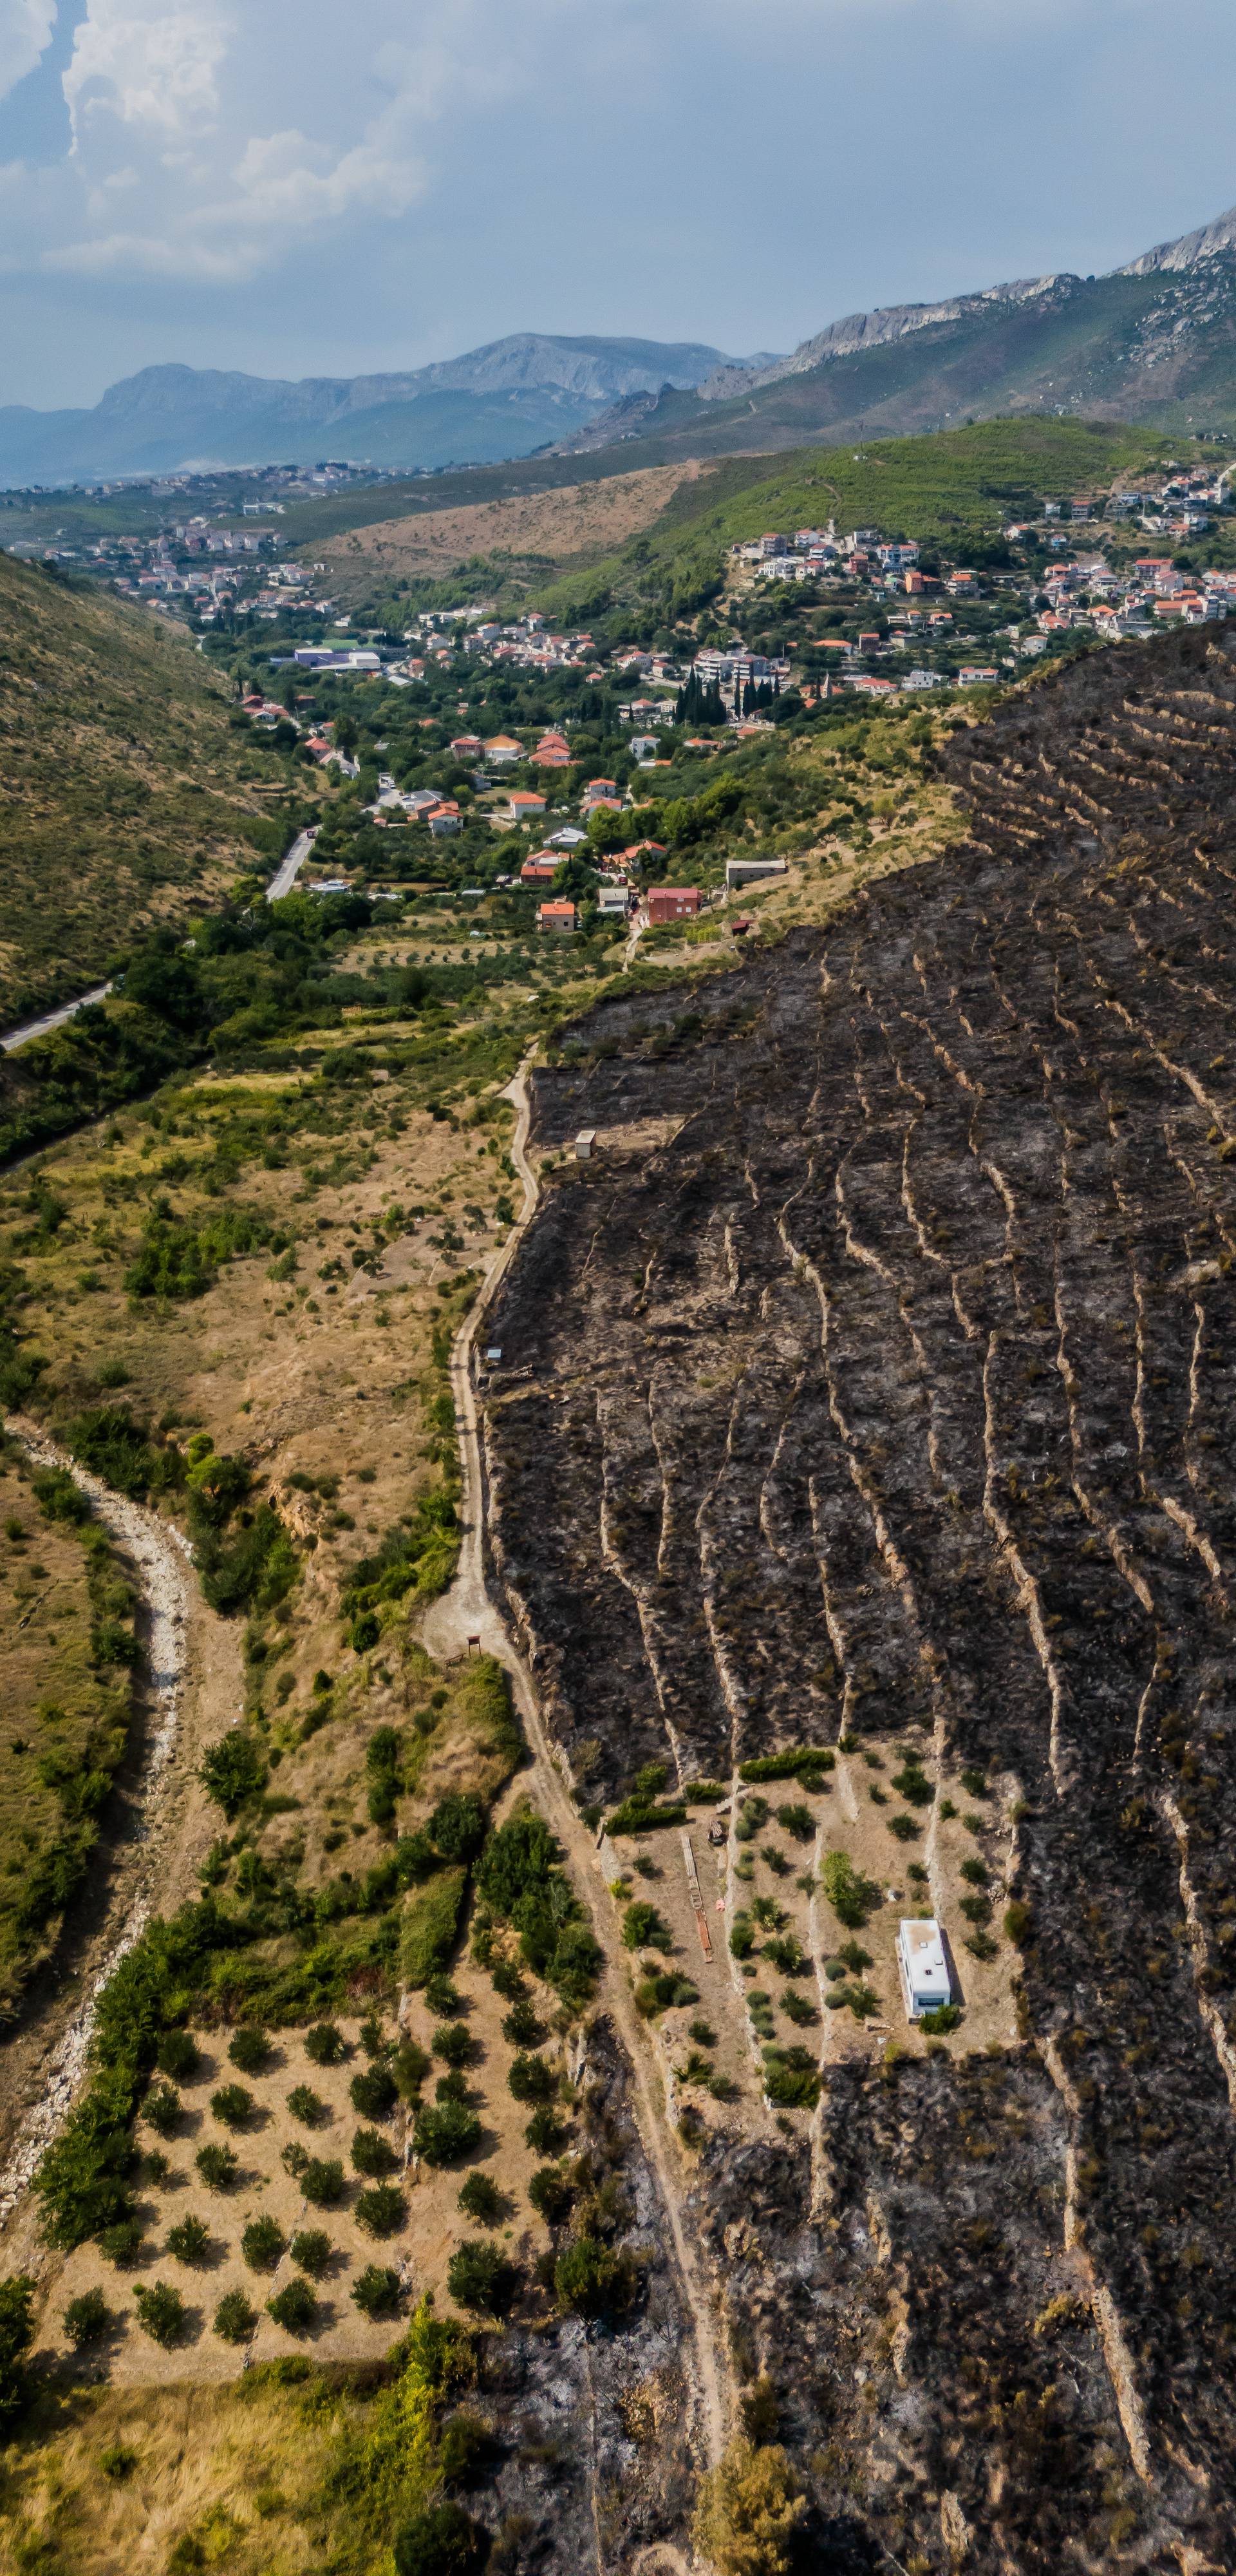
x: 922, y: 1966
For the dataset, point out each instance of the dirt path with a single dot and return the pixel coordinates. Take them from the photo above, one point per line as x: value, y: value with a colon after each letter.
x: 188, y: 1665
x: 466, y: 1613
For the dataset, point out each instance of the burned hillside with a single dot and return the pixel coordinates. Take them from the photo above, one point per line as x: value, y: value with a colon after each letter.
x: 873, y: 1383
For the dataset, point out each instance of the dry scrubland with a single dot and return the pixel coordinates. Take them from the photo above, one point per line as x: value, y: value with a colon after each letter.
x: 128, y: 800
x: 906, y: 1419
x: 580, y: 519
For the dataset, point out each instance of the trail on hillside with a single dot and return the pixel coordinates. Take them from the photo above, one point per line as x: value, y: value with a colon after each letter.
x: 464, y: 1616
x: 160, y: 1557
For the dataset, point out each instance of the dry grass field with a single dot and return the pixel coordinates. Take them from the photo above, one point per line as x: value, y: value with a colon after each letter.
x: 555, y: 527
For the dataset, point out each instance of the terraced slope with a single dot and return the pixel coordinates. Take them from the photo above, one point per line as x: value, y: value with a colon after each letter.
x: 885, y: 1390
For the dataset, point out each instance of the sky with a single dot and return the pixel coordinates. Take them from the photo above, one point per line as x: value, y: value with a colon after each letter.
x: 300, y: 187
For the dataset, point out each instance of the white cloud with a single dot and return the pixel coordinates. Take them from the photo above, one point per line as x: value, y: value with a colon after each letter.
x: 150, y: 64
x: 25, y: 33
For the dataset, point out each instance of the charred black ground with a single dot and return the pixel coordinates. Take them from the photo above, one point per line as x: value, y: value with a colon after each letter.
x: 895, y: 1391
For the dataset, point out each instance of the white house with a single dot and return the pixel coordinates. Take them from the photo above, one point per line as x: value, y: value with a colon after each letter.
x: 922, y: 1967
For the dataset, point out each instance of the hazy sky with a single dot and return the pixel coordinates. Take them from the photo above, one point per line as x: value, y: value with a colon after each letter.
x: 302, y: 187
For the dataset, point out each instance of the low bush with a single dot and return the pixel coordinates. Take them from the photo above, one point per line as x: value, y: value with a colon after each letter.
x: 481, y: 2199
x: 796, y: 1820
x: 545, y: 2132
x: 218, y: 2167
x: 530, y: 2079
x: 912, y: 1784
x: 294, y: 2307
x: 454, y: 2044
x: 373, y: 2092
x: 590, y: 2280
x: 788, y: 1766
x: 307, y: 2106
x: 943, y: 2017
x: 643, y: 1928
x: 441, y: 2542
x: 742, y: 1935
x: 791, y: 2077
x: 311, y: 2251
x: 161, y: 2312
x: 163, y: 2109
x: 851, y: 1896
x: 251, y: 2051
x: 235, y: 2320
x: 444, y: 2132
x: 381, y: 2210
x: 87, y: 2318
x: 430, y: 1926
x: 480, y: 2277
x: 1017, y: 1922
x: 122, y: 2241
x: 322, y: 2182
x: 263, y: 2244
x: 552, y: 2193
x: 904, y: 1828
x: 324, y: 2044
x: 376, y: 2291
x: 233, y: 2106
x: 457, y: 1826
x: 189, y: 2241
x: 443, y: 1999
x: 178, y: 2055
x: 521, y: 2026
x: 233, y: 1771
x: 373, y: 2155
x: 975, y: 1871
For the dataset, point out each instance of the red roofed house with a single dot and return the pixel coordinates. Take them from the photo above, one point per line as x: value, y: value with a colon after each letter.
x: 540, y: 869
x: 524, y: 806
x: 645, y: 850
x: 444, y: 819
x: 559, y: 915
x: 600, y: 787
x: 672, y: 903
x: 465, y: 745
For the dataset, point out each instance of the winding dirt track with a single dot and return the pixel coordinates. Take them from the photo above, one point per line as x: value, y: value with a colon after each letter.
x: 185, y: 1672
x: 466, y: 1614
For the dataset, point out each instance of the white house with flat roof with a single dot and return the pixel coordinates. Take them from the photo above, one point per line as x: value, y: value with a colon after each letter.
x: 922, y: 1966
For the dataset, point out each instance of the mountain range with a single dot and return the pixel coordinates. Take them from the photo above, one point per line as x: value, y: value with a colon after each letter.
x: 1153, y: 341
x: 500, y: 401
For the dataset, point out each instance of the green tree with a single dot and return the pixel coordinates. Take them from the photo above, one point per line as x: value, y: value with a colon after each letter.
x: 232, y: 1771
x: 16, y: 2337
x: 750, y: 2510
x: 442, y: 2542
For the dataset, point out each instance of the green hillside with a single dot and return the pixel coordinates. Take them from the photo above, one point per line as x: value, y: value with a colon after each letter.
x: 956, y: 488
x: 129, y: 792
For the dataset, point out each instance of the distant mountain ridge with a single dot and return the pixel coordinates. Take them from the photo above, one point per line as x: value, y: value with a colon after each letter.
x: 502, y: 400
x: 1153, y: 341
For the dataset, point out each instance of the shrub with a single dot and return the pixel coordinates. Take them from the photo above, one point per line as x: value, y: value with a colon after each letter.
x: 118, y: 2460
x: 233, y: 2106
x: 122, y: 2241
x: 235, y: 2320
x: 444, y: 2132
x: 442, y: 2542
x: 481, y: 2199
x: 942, y: 2017
x: 787, y: 1766
x: 322, y: 2182
x: 263, y: 2244
x: 551, y: 2193
x: 457, y: 1826
x: 294, y: 2158
x: 162, y: 2108
x: 1017, y: 1923
x: 16, y: 2337
x: 791, y: 2077
x: 376, y: 2291
x: 218, y: 2167
x: 589, y: 2280
x: 742, y: 1936
x: 294, y: 2307
x: 521, y: 2027
x: 177, y: 2055
x: 642, y: 1927
x: 545, y: 2132
x: 442, y: 1998
x: 381, y: 2210
x: 453, y: 2043
x: 519, y: 1876
x: 85, y: 2319
x: 508, y: 1981
x: 703, y: 2034
x: 373, y: 2155
x: 797, y: 2008
x: 851, y: 1896
x: 232, y: 1771
x: 189, y: 2241
x: 530, y: 2079
x: 478, y: 2276
x: 306, y: 2105
x: 451, y: 2087
x: 787, y: 1954
x: 161, y: 2312
x: 974, y: 1783
x: 324, y: 2044
x: 251, y: 2051
x: 431, y: 1926
x: 975, y: 1871
x: 797, y: 1820
x: 410, y: 2065
x: 904, y: 1828
x: 373, y: 2092
x: 311, y: 2250
x: 749, y: 2513
x: 912, y: 1784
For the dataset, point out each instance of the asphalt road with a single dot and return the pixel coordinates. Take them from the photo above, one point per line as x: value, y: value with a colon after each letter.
x: 290, y: 868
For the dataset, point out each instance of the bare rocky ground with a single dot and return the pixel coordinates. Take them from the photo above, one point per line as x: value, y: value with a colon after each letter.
x: 887, y: 1393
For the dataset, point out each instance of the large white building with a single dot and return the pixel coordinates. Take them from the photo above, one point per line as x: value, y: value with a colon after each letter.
x: 922, y: 1966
